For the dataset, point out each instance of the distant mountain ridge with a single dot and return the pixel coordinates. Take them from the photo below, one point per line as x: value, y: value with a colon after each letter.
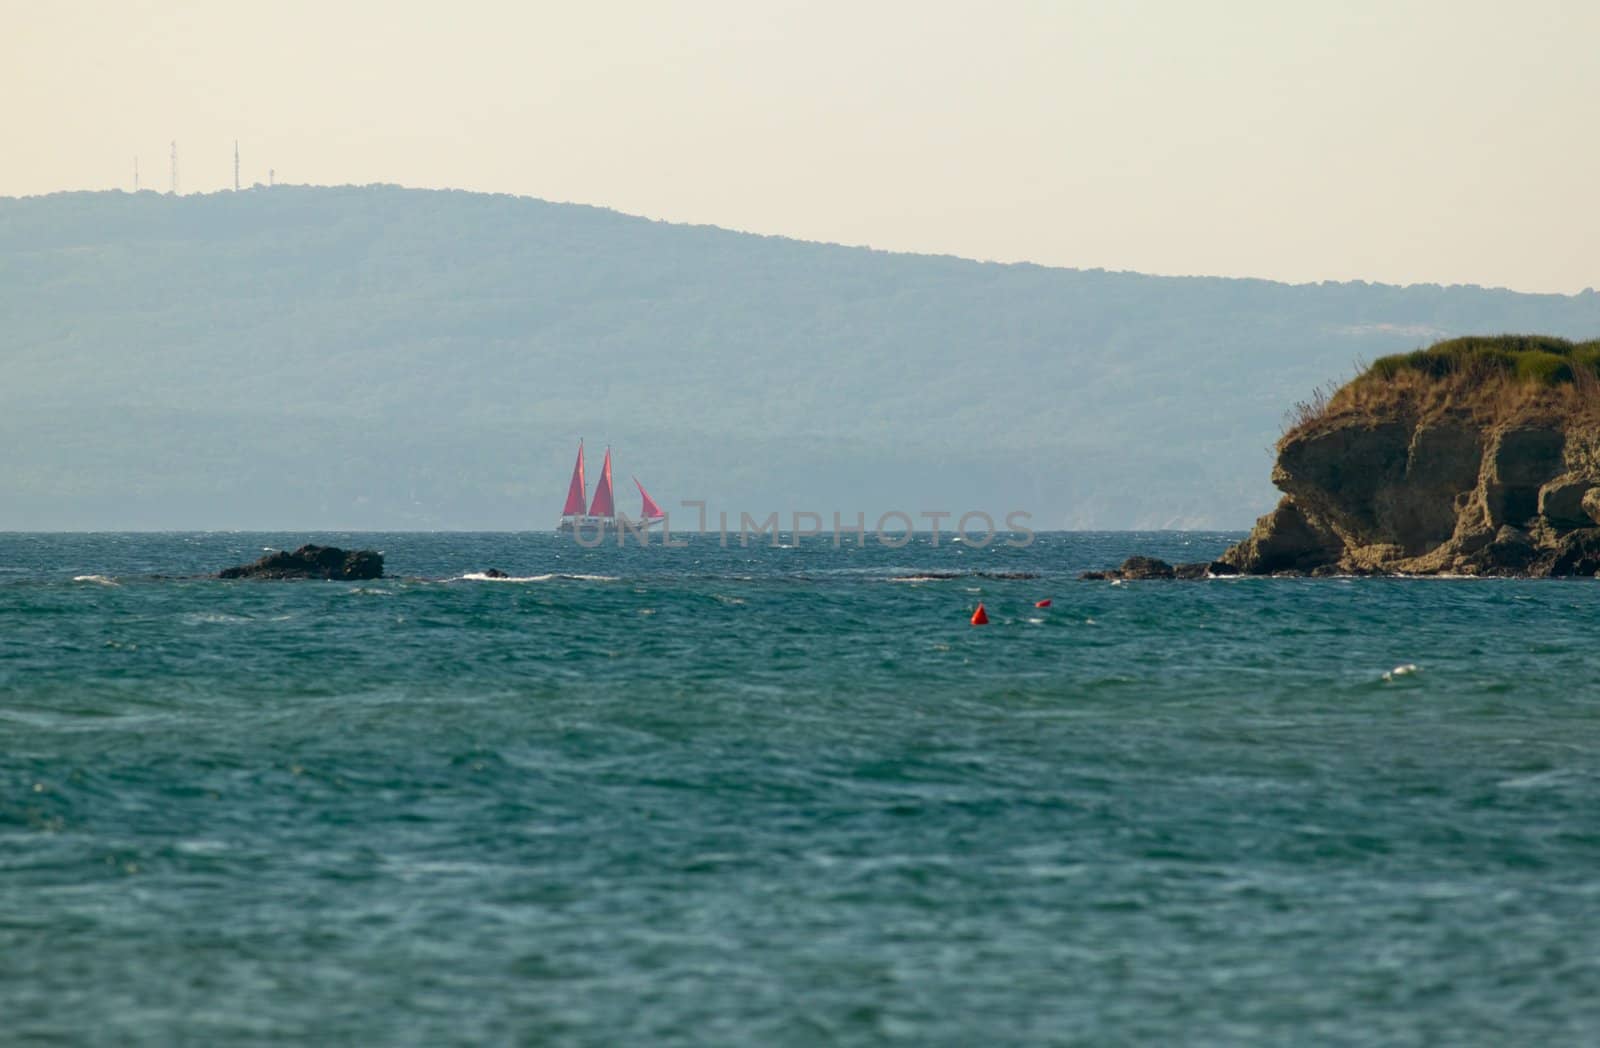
x: 379, y: 357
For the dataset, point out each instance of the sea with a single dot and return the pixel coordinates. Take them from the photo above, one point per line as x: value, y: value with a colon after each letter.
x: 788, y: 795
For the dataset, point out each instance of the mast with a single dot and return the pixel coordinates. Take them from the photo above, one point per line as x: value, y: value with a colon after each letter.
x: 647, y: 507
x: 602, y: 506
x: 578, y: 490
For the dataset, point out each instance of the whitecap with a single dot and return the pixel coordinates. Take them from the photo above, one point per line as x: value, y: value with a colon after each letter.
x: 1538, y: 780
x: 102, y: 580
x: 1401, y: 671
x: 478, y: 576
x: 203, y: 846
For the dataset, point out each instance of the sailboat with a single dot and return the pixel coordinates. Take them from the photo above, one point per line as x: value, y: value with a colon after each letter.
x: 603, y: 510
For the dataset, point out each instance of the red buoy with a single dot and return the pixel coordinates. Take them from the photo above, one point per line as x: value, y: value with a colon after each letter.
x: 979, y: 617
x: 1042, y: 603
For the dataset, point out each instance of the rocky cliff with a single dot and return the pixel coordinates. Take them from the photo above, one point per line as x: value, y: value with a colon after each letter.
x: 1475, y: 456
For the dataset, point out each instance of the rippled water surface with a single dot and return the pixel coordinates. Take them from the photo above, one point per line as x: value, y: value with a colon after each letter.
x: 787, y: 796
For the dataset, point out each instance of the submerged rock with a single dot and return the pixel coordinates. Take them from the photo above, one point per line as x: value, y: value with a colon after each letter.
x: 1206, y: 570
x: 311, y: 562
x: 1145, y: 568
x: 1154, y: 568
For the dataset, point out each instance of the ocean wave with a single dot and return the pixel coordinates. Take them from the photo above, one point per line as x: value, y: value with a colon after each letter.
x: 101, y: 580
x: 947, y: 576
x: 478, y: 576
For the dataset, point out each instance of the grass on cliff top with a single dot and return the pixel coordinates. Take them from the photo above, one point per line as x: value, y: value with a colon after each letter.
x: 1497, y: 378
x: 1542, y: 359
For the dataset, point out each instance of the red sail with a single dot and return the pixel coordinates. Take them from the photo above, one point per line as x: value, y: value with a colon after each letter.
x: 577, y: 491
x: 602, y: 506
x: 648, y: 509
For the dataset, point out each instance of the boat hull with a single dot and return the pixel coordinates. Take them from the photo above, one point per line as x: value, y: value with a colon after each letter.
x: 601, y: 524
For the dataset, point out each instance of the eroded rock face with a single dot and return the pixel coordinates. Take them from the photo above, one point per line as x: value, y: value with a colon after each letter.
x: 1391, y: 495
x: 1442, y: 463
x: 1562, y: 500
x: 1519, y: 463
x: 311, y: 562
x: 1287, y: 539
x: 1591, y: 504
x: 1577, y: 554
x: 1337, y: 474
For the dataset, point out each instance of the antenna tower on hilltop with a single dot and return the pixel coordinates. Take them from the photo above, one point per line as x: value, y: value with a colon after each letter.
x: 236, y: 165
x: 174, y: 167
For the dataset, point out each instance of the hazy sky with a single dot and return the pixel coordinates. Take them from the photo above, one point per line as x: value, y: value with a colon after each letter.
x: 1401, y: 141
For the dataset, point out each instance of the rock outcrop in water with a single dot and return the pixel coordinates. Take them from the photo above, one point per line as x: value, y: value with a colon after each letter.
x: 311, y: 562
x: 1475, y: 457
x: 1155, y: 568
x: 1478, y: 456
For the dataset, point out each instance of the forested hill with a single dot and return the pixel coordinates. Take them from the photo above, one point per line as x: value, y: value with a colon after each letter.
x: 379, y: 357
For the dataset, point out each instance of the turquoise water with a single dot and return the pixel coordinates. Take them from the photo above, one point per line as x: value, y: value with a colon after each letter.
x: 775, y: 796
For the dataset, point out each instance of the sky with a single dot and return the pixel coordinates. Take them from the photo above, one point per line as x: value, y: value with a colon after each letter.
x: 1402, y: 142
